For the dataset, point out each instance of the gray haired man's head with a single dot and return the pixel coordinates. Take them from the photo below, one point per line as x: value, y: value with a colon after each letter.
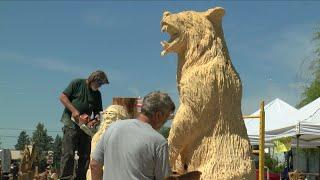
x: 98, y: 76
x: 157, y: 102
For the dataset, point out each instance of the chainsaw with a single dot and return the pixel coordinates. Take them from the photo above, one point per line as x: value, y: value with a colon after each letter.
x: 87, y: 124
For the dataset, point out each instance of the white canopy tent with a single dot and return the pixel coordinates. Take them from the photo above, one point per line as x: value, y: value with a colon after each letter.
x: 304, y: 123
x: 276, y: 114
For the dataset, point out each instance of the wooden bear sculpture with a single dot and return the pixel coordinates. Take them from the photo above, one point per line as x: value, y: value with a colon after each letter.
x: 208, y: 133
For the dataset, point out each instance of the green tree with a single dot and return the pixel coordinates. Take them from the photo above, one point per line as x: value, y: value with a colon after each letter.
x: 23, y: 140
x: 0, y: 144
x: 57, y: 145
x: 43, y: 143
x: 312, y: 91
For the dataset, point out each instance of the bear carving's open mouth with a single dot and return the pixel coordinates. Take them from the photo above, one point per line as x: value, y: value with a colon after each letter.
x: 174, y: 37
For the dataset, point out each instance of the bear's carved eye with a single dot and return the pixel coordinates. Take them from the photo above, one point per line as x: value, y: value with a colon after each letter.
x: 185, y: 167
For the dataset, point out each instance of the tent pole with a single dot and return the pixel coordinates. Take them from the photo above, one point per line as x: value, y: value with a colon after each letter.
x: 319, y: 162
x: 297, y: 154
x: 261, y: 141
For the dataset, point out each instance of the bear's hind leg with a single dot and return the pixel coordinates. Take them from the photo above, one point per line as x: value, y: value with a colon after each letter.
x: 183, y: 133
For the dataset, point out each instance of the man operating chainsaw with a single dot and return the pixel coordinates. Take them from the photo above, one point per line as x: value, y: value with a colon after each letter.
x: 82, y: 102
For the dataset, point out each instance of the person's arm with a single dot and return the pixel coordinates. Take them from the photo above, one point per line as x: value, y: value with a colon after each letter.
x: 162, y: 166
x: 96, y: 170
x: 66, y: 102
x: 97, y: 156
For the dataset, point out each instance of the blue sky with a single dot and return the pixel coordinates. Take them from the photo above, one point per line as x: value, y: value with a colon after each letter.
x: 44, y: 45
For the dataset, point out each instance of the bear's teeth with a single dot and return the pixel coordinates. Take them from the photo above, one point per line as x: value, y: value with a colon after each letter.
x: 164, y: 44
x: 164, y: 28
x: 164, y: 52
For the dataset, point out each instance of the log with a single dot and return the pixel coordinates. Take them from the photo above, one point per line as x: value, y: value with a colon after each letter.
x: 130, y: 103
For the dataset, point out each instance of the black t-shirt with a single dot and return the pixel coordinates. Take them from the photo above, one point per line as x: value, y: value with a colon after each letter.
x: 83, y: 98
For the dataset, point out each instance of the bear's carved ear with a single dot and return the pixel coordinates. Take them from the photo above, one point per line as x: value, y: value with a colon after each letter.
x: 215, y: 14
x: 166, y: 13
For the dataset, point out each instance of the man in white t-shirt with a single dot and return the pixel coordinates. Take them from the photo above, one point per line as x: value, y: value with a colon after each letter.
x: 133, y: 149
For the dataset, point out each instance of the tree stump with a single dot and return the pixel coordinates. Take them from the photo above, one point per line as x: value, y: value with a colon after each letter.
x: 130, y: 103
